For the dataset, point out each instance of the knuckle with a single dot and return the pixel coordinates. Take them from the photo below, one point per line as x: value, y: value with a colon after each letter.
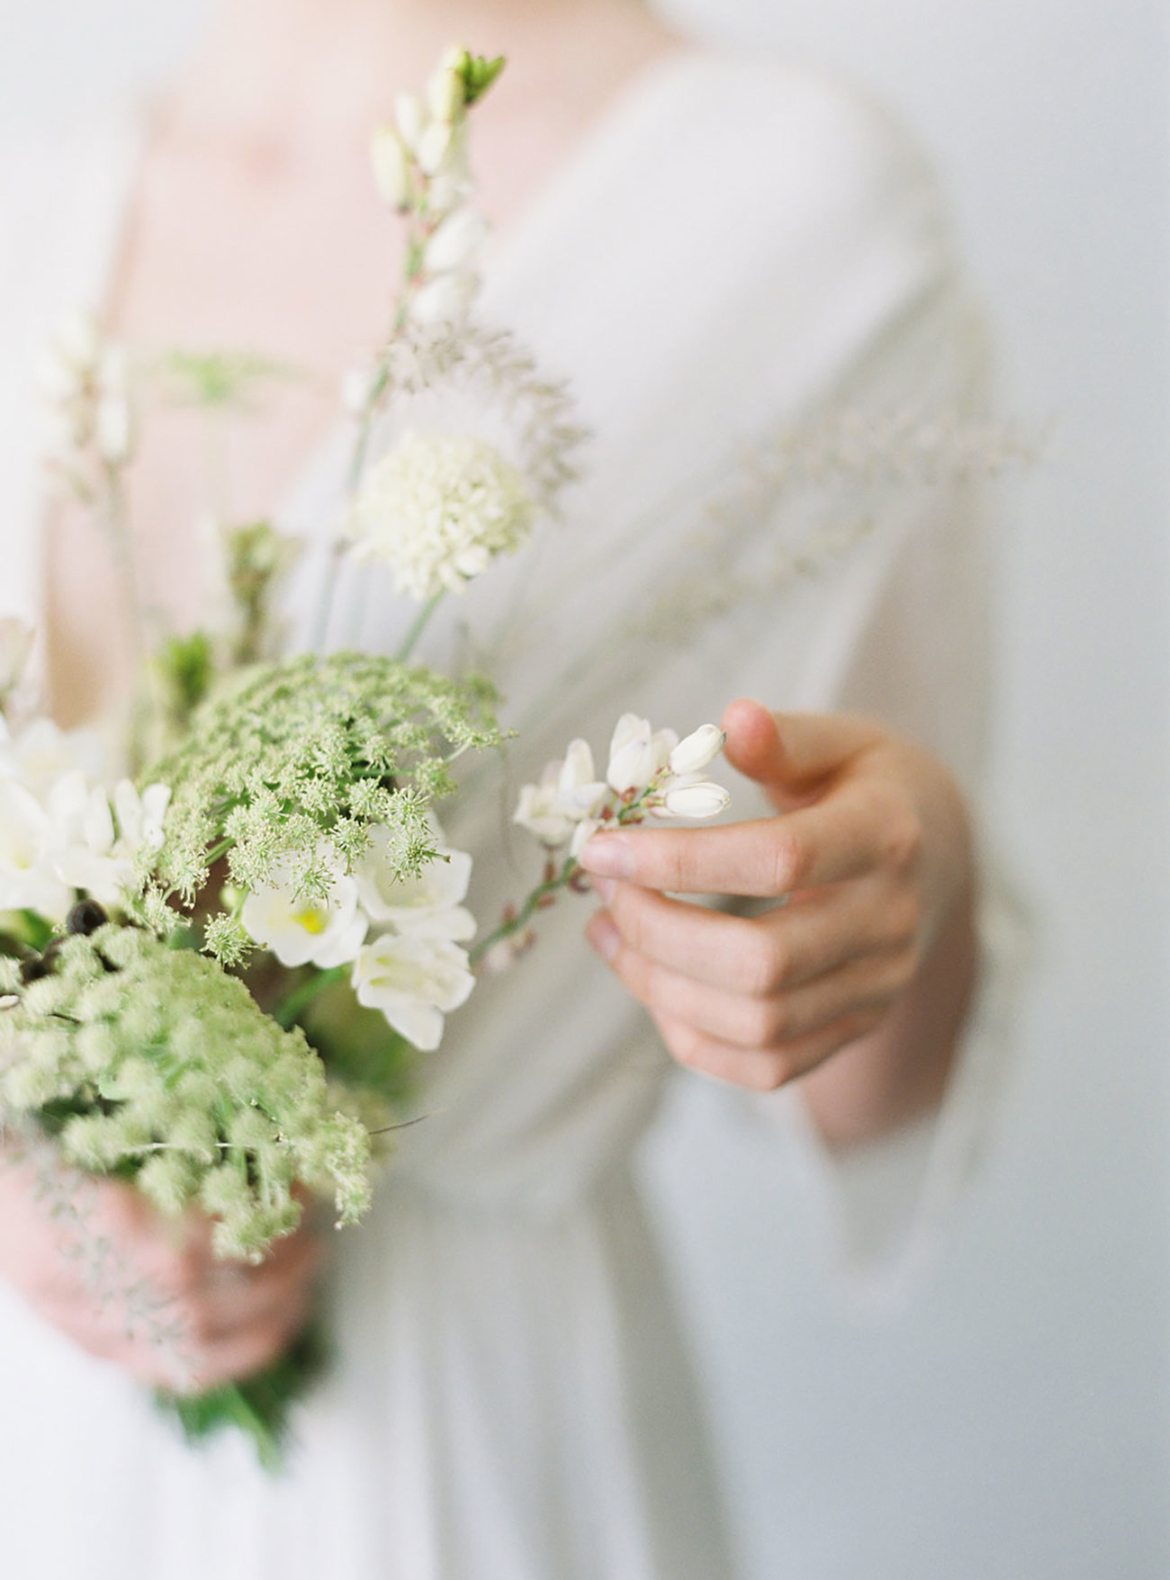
x: 788, y: 862
x: 769, y: 1074
x: 902, y: 838
x: 687, y: 1046
x: 766, y: 962
x: 903, y: 919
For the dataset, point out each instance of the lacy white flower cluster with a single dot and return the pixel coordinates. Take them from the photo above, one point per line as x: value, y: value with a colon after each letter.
x: 165, y: 1066
x: 413, y: 968
x: 438, y: 509
x: 649, y: 772
x: 62, y: 832
x: 421, y: 166
x: 85, y: 386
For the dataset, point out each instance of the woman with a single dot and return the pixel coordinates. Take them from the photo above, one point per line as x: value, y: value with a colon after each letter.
x: 709, y: 248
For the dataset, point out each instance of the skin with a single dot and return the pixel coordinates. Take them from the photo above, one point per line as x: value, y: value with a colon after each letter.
x: 857, y: 984
x: 254, y: 224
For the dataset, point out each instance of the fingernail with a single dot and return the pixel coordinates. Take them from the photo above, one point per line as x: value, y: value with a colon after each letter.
x: 608, y: 856
x: 603, y: 935
x: 603, y: 887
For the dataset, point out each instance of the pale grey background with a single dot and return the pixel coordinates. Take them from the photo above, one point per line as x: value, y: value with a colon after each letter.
x: 1011, y: 1424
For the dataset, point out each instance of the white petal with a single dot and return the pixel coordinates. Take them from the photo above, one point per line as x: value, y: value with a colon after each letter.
x: 578, y: 767
x: 412, y: 119
x: 457, y: 241
x: 702, y: 800
x: 698, y: 750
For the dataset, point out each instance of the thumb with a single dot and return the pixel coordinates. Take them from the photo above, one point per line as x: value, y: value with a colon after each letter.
x: 789, y: 754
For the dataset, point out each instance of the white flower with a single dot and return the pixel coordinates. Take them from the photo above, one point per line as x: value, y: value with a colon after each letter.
x: 447, y: 299
x: 700, y: 799
x: 697, y: 750
x: 27, y: 878
x: 567, y: 796
x: 429, y: 902
x: 302, y: 930
x: 41, y: 753
x: 637, y: 754
x: 445, y: 94
x: 438, y: 509
x: 582, y: 834
x: 415, y: 979
x: 434, y: 147
x: 140, y: 817
x: 411, y: 115
x: 456, y: 242
x: 391, y: 166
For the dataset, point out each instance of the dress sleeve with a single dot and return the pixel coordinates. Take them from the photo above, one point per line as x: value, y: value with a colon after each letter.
x: 901, y: 632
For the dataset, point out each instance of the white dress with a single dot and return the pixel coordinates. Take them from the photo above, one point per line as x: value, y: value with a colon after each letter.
x: 733, y: 247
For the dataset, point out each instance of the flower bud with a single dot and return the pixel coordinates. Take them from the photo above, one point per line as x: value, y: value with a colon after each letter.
x: 391, y: 166
x: 699, y: 749
x: 705, y: 799
x: 412, y: 119
x: 445, y: 94
x: 456, y: 242
x: 434, y: 144
x: 446, y: 300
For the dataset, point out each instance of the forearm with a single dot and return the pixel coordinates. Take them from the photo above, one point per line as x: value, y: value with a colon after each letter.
x: 900, y: 1071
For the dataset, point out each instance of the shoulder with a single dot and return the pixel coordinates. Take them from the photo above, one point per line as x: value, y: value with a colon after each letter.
x: 794, y: 156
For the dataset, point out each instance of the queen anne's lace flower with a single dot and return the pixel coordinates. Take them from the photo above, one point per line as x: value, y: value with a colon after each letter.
x: 438, y: 509
x: 168, y: 1070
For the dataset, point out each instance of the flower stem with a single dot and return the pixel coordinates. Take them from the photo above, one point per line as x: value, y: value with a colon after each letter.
x: 513, y: 924
x: 295, y: 1003
x: 421, y: 622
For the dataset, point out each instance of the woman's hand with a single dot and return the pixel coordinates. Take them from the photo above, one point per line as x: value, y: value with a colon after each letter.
x: 870, y: 863
x: 144, y: 1291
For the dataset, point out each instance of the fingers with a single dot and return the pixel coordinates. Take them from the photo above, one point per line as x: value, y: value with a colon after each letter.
x: 759, y: 1022
x: 762, y: 1069
x: 765, y: 954
x: 786, y: 752
x: 859, y: 827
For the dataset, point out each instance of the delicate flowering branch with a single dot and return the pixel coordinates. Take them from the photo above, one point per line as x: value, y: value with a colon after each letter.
x: 650, y: 774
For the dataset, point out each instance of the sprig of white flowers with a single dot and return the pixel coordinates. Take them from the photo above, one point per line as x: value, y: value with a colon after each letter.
x: 650, y: 773
x: 63, y: 832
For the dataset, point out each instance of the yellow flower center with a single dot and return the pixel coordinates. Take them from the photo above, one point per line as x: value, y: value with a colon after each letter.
x: 312, y: 920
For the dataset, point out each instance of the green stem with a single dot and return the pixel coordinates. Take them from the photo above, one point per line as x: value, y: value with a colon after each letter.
x: 421, y: 622
x: 527, y: 911
x: 294, y: 1005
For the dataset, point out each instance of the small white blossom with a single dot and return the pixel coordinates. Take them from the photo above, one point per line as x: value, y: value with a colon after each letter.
x: 390, y: 162
x: 41, y: 752
x: 699, y: 800
x: 445, y: 94
x: 567, y: 796
x: 455, y: 244
x: 415, y: 979
x: 302, y: 930
x: 411, y: 115
x: 582, y: 834
x: 447, y: 299
x: 28, y: 880
x: 637, y: 754
x: 430, y: 902
x: 697, y: 750
x: 438, y: 509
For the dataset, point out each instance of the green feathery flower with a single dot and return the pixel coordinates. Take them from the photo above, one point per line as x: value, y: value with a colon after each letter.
x: 156, y: 1065
x: 296, y: 762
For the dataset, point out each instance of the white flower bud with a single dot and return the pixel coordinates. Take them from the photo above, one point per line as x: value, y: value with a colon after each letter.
x: 456, y: 242
x: 445, y: 94
x: 446, y: 300
x: 637, y: 754
x: 699, y: 748
x: 412, y: 119
x: 705, y: 799
x: 391, y: 166
x: 434, y: 145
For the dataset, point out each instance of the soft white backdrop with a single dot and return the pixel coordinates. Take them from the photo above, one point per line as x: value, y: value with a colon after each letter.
x: 1014, y: 1420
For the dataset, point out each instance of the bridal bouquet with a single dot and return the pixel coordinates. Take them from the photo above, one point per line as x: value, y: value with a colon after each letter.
x: 223, y: 957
